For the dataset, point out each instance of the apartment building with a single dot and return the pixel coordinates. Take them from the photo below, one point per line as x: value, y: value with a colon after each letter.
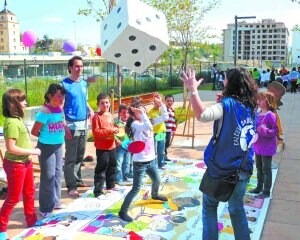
x: 260, y: 41
x: 10, y: 33
x: 295, y: 53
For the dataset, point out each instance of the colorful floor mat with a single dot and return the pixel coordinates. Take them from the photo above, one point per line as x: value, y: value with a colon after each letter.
x: 179, y: 218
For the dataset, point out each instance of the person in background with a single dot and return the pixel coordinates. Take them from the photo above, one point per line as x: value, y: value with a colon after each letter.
x: 158, y: 115
x: 170, y: 124
x: 123, y: 156
x: 49, y: 127
x: 272, y: 75
x: 77, y: 111
x: 17, y: 163
x: 285, y: 79
x: 265, y: 145
x: 256, y: 76
x: 293, y: 77
x: 104, y: 131
x: 214, y: 75
x: 235, y: 109
x: 139, y: 128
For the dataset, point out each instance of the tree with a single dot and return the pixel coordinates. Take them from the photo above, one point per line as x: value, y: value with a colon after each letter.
x: 44, y: 44
x: 296, y: 28
x: 184, y: 18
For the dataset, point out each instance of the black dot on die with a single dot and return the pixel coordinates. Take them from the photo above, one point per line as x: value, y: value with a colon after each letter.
x: 132, y: 38
x: 105, y: 42
x: 105, y: 26
x: 152, y: 47
x: 157, y: 16
x: 137, y: 64
x: 148, y: 19
x: 119, y: 9
x: 119, y: 25
x: 117, y: 55
x: 138, y: 21
x: 134, y: 51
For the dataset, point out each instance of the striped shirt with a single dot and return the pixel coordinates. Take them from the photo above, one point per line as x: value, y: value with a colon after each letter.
x: 171, y: 123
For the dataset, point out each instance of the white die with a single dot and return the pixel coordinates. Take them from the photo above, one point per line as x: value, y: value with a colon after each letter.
x: 134, y: 35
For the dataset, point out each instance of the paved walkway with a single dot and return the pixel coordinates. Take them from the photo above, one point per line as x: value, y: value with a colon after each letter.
x: 283, y: 218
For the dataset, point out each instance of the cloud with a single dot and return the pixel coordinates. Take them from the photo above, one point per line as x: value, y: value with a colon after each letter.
x: 52, y: 19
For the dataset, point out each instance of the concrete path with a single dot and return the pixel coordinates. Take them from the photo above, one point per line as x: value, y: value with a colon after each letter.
x: 283, y: 218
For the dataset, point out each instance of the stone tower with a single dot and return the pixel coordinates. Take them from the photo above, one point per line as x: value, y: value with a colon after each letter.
x: 10, y: 33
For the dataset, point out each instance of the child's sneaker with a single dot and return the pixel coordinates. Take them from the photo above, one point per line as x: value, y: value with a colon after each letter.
x: 45, y: 214
x: 39, y: 223
x: 3, y: 236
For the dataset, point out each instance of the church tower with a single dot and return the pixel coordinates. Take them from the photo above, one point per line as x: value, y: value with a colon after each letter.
x: 10, y: 33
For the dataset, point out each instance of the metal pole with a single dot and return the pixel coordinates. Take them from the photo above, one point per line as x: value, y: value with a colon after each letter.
x: 25, y: 77
x: 235, y: 39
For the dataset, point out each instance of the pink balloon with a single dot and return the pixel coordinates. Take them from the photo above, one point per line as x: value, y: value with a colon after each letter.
x: 70, y: 46
x: 29, y: 38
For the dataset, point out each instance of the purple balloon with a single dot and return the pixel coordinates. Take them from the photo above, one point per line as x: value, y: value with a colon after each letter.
x: 29, y: 38
x: 69, y: 46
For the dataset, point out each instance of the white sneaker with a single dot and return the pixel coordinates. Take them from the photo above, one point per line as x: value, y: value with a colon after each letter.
x: 45, y: 214
x: 60, y: 206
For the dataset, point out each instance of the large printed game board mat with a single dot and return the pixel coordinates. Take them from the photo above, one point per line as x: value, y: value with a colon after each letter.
x: 179, y: 218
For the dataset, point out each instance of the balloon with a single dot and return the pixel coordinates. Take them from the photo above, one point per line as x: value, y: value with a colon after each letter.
x: 98, y: 51
x: 29, y: 38
x: 70, y: 46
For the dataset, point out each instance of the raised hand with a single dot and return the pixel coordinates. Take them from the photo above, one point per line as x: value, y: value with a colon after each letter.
x: 189, y: 80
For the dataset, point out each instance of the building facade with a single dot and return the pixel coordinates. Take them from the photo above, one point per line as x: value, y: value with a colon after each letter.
x: 263, y: 42
x: 10, y: 33
x: 295, y: 53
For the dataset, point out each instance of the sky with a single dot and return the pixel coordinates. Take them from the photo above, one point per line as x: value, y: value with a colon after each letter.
x: 59, y: 18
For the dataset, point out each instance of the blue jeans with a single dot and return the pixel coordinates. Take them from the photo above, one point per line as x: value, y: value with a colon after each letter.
x: 139, y: 170
x: 51, y: 174
x: 160, y: 152
x: 236, y: 211
x: 123, y: 164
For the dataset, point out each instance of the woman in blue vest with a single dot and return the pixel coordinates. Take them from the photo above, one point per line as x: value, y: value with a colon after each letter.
x: 224, y: 156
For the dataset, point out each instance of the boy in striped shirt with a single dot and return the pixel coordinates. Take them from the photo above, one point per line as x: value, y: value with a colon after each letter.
x: 170, y: 123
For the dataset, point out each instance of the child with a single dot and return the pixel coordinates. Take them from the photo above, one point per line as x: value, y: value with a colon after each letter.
x: 265, y: 146
x: 49, y: 127
x: 17, y: 163
x: 103, y: 130
x: 170, y: 124
x: 139, y: 128
x: 158, y: 115
x: 123, y: 156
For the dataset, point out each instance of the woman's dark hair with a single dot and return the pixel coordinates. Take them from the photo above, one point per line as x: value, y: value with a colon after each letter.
x: 241, y: 86
x: 11, y: 106
x: 136, y: 103
x: 52, y: 90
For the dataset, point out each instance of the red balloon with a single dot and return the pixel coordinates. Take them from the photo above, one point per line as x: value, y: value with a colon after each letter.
x: 98, y: 51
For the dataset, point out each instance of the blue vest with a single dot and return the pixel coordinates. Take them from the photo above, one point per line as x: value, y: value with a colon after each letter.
x: 75, y: 107
x: 238, y: 130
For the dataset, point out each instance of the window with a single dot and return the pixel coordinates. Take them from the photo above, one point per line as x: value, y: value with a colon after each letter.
x: 1, y: 32
x: 258, y: 47
x: 14, y: 40
x: 258, y: 31
x: 269, y: 47
x: 11, y: 18
x: 2, y: 40
x: 253, y: 42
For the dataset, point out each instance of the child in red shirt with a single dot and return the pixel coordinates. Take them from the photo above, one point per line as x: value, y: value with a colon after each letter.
x: 103, y: 130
